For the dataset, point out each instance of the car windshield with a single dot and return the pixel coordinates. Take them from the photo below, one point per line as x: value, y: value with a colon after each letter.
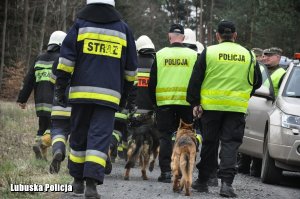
x: 292, y: 88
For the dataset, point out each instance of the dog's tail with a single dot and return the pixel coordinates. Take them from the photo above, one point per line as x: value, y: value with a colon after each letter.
x: 185, y: 159
x: 135, y: 152
x: 185, y: 165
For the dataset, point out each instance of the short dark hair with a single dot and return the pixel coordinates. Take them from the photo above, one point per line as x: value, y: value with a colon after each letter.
x: 226, y: 29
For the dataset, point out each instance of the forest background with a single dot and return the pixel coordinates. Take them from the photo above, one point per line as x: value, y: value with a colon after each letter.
x: 25, y: 26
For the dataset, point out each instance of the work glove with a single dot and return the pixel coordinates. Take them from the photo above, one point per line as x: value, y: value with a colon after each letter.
x: 60, y: 97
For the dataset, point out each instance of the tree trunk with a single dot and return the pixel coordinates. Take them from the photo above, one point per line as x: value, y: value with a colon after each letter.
x: 201, y: 36
x: 210, y: 32
x: 64, y: 15
x: 25, y: 30
x: 43, y: 27
x: 3, y: 42
x: 30, y: 38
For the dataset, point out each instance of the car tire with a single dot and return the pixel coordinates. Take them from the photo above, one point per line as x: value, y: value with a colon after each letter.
x: 270, y: 174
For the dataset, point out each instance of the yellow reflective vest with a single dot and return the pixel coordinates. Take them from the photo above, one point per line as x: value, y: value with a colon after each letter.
x: 275, y: 77
x: 174, y: 69
x: 228, y: 75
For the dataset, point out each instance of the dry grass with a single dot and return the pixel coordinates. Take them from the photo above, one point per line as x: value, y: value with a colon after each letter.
x: 17, y: 161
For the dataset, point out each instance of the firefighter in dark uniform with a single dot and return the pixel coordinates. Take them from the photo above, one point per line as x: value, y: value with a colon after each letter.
x: 220, y: 87
x: 139, y: 95
x: 98, y: 57
x: 168, y: 83
x: 146, y: 55
x: 38, y: 80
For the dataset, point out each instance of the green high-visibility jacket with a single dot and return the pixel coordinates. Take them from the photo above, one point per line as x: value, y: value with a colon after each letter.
x: 275, y: 77
x: 174, y: 69
x: 228, y: 75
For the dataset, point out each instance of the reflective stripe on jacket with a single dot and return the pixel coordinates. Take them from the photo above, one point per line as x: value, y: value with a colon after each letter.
x: 226, y: 84
x: 174, y: 69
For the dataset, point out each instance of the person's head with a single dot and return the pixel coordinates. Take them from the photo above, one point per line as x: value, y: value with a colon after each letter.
x: 176, y: 33
x: 57, y: 38
x: 271, y: 56
x: 109, y: 2
x: 144, y: 42
x: 226, y: 31
x: 258, y: 53
x: 190, y: 39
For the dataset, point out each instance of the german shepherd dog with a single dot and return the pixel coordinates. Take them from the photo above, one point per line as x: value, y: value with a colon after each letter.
x: 183, y: 157
x: 144, y: 142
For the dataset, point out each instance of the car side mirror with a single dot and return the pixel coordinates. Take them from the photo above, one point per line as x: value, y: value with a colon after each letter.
x: 264, y: 92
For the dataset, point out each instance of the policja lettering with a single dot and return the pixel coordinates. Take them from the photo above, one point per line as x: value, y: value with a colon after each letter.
x: 231, y: 57
x: 97, y: 47
x: 176, y: 62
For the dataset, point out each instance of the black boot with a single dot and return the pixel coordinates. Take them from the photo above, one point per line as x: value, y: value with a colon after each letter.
x: 213, y: 181
x: 56, y: 161
x: 165, y: 177
x: 91, y: 189
x: 227, y: 190
x: 78, y: 186
x: 200, y: 186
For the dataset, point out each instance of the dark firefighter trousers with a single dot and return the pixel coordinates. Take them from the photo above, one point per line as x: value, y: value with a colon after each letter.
x: 60, y: 130
x: 91, y: 132
x: 44, y: 124
x: 168, y: 118
x: 228, y: 127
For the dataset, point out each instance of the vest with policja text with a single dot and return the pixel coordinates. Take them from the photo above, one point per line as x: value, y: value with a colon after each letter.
x: 174, y: 69
x: 228, y: 75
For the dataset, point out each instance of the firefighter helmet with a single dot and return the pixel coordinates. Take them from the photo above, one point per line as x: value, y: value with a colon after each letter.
x: 200, y: 47
x: 109, y: 2
x: 189, y: 36
x: 57, y: 37
x: 144, y: 42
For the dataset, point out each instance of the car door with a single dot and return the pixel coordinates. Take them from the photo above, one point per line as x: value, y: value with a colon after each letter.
x: 256, y: 117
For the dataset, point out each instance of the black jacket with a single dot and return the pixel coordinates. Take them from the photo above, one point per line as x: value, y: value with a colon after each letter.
x: 139, y: 95
x: 38, y: 80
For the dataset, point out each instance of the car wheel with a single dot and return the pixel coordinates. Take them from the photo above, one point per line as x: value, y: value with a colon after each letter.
x: 269, y: 173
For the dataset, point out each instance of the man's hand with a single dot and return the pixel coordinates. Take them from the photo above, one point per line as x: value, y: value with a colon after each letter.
x: 60, y: 98
x: 22, y: 105
x: 197, y: 111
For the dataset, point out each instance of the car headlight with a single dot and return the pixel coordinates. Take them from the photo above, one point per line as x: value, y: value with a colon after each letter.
x: 290, y: 121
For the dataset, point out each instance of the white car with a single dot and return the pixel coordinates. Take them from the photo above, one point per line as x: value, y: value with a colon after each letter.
x: 272, y: 130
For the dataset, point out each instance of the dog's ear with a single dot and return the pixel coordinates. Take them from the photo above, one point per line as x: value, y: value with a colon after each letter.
x: 189, y: 126
x: 183, y: 125
x: 180, y: 124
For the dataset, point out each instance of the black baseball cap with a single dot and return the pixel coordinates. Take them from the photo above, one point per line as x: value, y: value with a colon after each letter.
x: 176, y: 28
x: 226, y: 27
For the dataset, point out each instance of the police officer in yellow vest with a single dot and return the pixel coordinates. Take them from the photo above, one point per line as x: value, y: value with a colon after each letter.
x: 271, y: 58
x: 169, y: 77
x: 220, y: 88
